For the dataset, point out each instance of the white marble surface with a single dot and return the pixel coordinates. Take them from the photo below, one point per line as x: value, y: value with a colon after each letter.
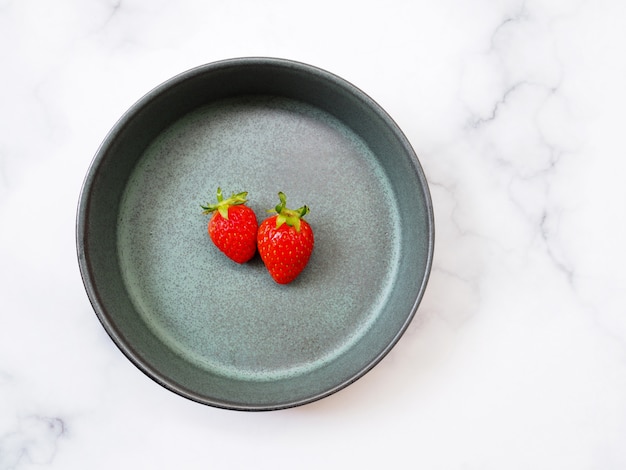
x: 517, y: 359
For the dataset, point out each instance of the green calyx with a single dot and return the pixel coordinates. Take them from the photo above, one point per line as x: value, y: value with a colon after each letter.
x: 223, y: 204
x: 288, y: 216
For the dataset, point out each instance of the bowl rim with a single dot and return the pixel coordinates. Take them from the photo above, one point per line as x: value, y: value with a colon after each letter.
x: 82, y: 215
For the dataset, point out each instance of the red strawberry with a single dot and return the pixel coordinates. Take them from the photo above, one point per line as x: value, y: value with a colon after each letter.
x: 285, y: 242
x: 233, y: 226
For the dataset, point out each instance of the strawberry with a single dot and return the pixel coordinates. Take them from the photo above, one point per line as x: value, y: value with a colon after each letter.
x: 285, y: 242
x: 233, y: 226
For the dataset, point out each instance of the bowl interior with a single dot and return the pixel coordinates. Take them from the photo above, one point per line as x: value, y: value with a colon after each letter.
x: 225, y: 334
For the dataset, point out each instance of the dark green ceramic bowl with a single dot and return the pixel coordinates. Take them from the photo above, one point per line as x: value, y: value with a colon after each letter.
x: 225, y: 334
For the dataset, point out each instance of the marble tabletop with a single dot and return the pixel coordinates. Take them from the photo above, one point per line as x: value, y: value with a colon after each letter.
x: 517, y: 357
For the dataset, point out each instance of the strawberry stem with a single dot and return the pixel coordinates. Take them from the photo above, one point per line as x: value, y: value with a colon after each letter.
x: 288, y: 216
x: 223, y: 204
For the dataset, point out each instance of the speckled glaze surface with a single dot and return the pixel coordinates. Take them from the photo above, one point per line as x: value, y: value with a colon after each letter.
x: 225, y: 334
